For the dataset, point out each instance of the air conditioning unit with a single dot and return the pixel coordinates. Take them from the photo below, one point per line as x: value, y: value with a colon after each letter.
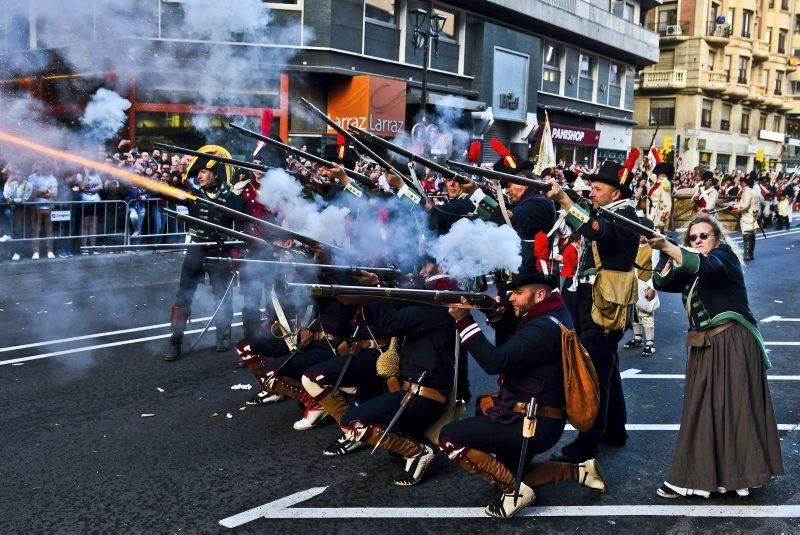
x: 674, y: 30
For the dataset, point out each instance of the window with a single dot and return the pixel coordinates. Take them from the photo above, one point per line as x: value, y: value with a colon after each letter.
x: 762, y: 121
x: 705, y: 117
x: 784, y: 5
x: 765, y: 79
x: 778, y: 82
x: 723, y: 162
x: 776, y: 123
x: 586, y: 81
x: 381, y: 10
x: 729, y: 19
x: 628, y: 11
x: 744, y: 128
x: 450, y: 28
x: 725, y: 122
x: 747, y: 22
x: 712, y: 57
x: 667, y: 17
x: 796, y: 23
x: 551, y: 72
x: 782, y: 34
x: 666, y: 61
x: 662, y: 112
x: 768, y: 38
x: 794, y: 86
x: 727, y: 68
x: 771, y: 4
x: 744, y: 68
x: 616, y: 74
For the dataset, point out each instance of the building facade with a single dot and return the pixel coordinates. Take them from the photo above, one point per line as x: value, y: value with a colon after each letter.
x: 497, y: 67
x: 718, y: 94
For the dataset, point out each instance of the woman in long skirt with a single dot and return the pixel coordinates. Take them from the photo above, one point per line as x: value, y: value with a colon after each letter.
x: 728, y: 439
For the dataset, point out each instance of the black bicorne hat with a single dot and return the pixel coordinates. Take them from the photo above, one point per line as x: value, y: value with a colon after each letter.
x: 609, y: 173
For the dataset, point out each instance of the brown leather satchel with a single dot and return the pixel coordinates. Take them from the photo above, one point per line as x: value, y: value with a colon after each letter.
x: 581, y: 387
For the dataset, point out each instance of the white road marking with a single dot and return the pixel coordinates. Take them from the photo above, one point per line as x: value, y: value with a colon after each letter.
x: 771, y: 319
x: 281, y: 509
x: 782, y: 343
x: 633, y: 373
x: 775, y: 234
x: 99, y: 335
x: 100, y: 346
x: 675, y: 427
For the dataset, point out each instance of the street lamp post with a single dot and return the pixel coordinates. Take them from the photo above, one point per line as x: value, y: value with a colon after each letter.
x: 426, y: 28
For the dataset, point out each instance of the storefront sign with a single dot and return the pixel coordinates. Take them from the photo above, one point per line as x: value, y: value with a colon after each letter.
x: 510, y: 84
x: 371, y: 103
x: 571, y: 135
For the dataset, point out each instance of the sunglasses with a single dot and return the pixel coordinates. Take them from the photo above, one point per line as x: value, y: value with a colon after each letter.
x: 703, y: 236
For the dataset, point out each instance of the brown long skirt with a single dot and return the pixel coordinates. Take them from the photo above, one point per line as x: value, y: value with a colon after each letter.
x: 728, y: 436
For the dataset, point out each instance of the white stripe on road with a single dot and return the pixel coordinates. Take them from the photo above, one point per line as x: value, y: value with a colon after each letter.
x: 633, y: 373
x: 782, y: 343
x: 99, y: 335
x: 776, y: 234
x: 675, y: 427
x: 281, y: 509
x: 100, y: 346
x: 770, y: 319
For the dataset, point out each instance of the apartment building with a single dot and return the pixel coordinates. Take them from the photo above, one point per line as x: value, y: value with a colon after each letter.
x: 719, y: 89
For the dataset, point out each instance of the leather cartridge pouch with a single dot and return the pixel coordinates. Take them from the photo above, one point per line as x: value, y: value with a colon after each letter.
x: 613, y: 292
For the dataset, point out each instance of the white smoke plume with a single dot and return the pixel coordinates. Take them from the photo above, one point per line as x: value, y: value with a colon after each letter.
x: 104, y: 115
x: 282, y: 194
x: 474, y: 248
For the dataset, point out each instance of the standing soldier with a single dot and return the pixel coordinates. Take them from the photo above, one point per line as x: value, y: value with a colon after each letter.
x: 606, y: 288
x: 659, y: 195
x: 748, y: 209
x: 211, y: 178
x: 707, y: 195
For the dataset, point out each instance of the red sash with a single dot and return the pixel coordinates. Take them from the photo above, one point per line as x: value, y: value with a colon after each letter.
x: 653, y: 189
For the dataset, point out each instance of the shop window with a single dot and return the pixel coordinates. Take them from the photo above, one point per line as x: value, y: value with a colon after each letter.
x: 705, y: 159
x: 662, y: 112
x: 723, y: 162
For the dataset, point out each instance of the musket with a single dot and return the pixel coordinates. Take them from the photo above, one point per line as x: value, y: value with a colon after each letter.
x: 225, y: 231
x: 355, y: 175
x: 631, y: 224
x: 720, y: 209
x: 528, y: 431
x: 353, y: 337
x: 358, y: 143
x: 500, y: 176
x: 385, y: 273
x: 230, y: 161
x: 405, y: 402
x: 162, y: 246
x: 360, y: 295
x: 270, y: 228
x: 405, y: 153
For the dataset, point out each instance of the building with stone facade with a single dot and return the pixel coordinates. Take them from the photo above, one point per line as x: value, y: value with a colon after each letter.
x: 719, y: 91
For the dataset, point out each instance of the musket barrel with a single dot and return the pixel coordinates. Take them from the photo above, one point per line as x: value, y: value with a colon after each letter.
x: 362, y: 178
x: 218, y: 228
x: 386, y: 144
x: 221, y: 159
x: 434, y: 297
x: 159, y: 246
x: 385, y: 272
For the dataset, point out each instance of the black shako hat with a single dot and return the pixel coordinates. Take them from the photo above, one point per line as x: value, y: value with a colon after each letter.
x: 664, y: 168
x: 610, y: 173
x: 531, y: 276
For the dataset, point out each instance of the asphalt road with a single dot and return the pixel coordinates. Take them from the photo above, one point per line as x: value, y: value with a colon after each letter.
x: 79, y: 456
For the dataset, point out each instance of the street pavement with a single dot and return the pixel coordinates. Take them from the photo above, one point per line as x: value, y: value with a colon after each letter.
x: 81, y: 370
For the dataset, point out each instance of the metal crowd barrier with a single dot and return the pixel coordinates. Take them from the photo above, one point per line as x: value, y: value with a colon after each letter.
x: 66, y: 225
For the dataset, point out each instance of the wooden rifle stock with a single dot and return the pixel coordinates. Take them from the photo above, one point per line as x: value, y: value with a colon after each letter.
x: 369, y: 294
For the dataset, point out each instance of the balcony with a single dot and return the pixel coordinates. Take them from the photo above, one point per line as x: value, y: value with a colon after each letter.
x: 671, y: 32
x: 791, y: 64
x: 738, y: 91
x: 714, y: 82
x: 772, y: 103
x: 675, y: 79
x: 757, y: 95
x: 718, y: 34
x: 760, y: 51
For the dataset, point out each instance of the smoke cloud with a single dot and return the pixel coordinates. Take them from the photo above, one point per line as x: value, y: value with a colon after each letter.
x: 104, y: 115
x: 475, y: 247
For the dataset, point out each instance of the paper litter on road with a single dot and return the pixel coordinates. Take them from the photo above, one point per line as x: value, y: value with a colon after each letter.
x: 160, y: 389
x: 781, y: 302
x: 229, y: 415
x: 242, y: 408
x: 147, y: 415
x: 241, y: 387
x: 215, y: 414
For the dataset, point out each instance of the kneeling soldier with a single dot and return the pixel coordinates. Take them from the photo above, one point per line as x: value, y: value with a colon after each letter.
x: 529, y: 364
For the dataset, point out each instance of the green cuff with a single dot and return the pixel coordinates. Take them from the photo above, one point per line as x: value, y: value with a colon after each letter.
x: 354, y: 188
x: 576, y: 217
x: 408, y: 196
x: 690, y: 261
